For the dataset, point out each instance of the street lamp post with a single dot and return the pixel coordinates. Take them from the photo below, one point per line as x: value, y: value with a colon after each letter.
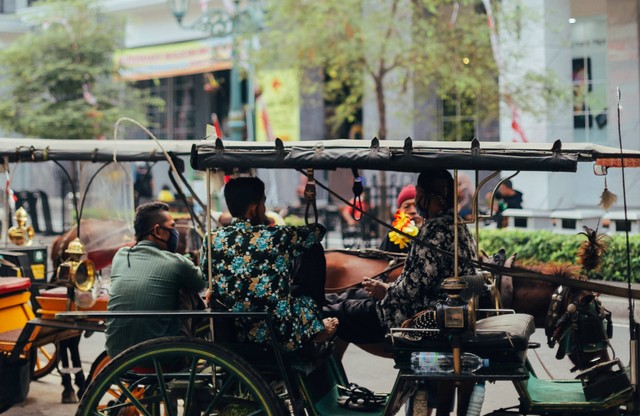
x: 221, y: 23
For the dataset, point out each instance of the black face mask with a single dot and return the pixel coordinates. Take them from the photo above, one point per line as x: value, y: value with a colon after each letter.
x: 172, y: 242
x: 423, y: 211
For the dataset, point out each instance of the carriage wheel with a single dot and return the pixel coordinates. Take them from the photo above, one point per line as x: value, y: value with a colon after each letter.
x: 178, y: 376
x: 44, y: 360
x: 98, y: 364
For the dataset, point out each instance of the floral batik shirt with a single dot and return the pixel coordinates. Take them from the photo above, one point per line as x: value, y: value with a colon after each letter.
x: 425, y: 269
x: 252, y: 268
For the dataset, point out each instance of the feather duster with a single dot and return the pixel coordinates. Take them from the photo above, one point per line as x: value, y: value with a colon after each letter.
x: 608, y: 198
x: 591, y: 251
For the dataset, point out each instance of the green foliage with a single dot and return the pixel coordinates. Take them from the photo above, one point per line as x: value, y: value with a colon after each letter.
x: 59, y: 78
x: 440, y: 46
x: 546, y: 247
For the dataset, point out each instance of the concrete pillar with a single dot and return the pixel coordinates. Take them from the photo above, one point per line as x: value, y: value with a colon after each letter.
x: 542, y: 44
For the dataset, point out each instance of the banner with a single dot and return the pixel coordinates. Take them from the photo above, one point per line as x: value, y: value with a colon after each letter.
x: 277, y: 106
x: 164, y: 61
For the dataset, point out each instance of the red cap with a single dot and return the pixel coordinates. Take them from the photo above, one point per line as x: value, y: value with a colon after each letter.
x: 408, y: 192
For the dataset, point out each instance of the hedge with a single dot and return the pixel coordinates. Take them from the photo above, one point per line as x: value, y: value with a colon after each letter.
x: 546, y: 246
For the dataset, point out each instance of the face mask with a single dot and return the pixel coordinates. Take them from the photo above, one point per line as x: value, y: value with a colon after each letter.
x: 172, y: 242
x: 423, y: 211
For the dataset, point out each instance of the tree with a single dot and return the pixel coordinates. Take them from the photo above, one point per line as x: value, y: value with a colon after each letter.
x: 59, y: 79
x: 440, y: 46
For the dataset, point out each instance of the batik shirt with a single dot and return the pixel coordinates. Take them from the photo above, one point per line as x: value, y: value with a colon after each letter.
x: 425, y: 269
x: 252, y: 268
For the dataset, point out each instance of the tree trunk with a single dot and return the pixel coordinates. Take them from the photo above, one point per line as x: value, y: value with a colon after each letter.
x: 383, y: 209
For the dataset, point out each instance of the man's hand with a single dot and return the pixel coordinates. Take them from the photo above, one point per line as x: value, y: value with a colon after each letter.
x: 375, y: 288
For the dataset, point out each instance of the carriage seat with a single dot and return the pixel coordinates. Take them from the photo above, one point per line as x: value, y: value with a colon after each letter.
x: 10, y: 285
x: 502, y: 337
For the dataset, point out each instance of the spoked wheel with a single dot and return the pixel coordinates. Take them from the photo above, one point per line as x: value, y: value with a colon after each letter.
x: 98, y: 364
x: 44, y: 360
x: 178, y: 376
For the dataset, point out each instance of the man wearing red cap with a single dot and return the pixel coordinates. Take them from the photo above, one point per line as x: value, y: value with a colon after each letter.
x: 406, y: 219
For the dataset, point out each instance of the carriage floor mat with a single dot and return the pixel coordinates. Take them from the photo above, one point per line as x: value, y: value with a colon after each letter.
x: 355, y: 397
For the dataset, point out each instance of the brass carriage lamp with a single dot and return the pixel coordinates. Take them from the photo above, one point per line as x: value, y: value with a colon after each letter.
x: 76, y: 272
x: 456, y: 316
x: 455, y: 311
x: 21, y: 234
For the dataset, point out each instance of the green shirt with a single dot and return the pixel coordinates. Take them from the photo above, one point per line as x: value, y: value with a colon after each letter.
x: 150, y: 279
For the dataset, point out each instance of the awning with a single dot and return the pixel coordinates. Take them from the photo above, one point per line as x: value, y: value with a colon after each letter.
x: 164, y: 61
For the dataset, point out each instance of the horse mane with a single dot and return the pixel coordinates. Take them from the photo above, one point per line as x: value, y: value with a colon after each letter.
x: 566, y: 270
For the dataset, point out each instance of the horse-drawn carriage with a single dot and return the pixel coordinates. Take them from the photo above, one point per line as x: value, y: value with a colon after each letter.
x: 216, y: 375
x: 32, y: 341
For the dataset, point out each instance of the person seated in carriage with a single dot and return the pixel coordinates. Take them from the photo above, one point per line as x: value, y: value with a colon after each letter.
x: 252, y: 267
x: 367, y: 314
x: 406, y: 219
x: 151, y: 276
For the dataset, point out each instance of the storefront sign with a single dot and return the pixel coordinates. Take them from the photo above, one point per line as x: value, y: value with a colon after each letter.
x: 278, y: 106
x: 164, y: 61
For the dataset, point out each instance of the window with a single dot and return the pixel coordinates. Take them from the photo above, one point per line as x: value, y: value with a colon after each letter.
x: 7, y: 6
x: 176, y: 121
x: 589, y: 75
x: 458, y: 119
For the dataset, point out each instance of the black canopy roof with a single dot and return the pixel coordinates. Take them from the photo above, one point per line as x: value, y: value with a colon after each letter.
x: 393, y: 155
x: 407, y: 155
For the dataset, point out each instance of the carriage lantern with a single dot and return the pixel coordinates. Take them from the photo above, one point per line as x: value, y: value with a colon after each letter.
x: 75, y: 272
x: 453, y: 314
x: 21, y: 234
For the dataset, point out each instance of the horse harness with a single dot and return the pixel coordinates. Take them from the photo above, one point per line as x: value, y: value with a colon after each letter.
x: 579, y: 324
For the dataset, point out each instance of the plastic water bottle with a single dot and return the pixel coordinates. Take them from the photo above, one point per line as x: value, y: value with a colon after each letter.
x: 476, y: 400
x: 442, y: 362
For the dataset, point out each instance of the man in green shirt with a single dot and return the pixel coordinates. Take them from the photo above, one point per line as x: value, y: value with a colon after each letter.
x: 149, y: 277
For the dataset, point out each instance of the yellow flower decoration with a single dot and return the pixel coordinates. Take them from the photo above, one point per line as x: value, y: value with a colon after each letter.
x: 405, y: 224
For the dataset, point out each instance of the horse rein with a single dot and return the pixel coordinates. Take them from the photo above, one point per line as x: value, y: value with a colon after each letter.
x: 384, y: 275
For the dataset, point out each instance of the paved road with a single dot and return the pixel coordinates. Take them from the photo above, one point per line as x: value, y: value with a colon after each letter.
x: 363, y: 368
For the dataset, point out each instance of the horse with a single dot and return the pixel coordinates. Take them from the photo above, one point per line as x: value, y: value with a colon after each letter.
x: 347, y: 269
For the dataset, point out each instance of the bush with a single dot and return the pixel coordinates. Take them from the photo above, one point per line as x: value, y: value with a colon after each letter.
x: 545, y: 247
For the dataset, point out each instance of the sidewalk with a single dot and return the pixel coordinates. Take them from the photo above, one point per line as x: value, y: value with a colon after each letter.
x: 44, y: 397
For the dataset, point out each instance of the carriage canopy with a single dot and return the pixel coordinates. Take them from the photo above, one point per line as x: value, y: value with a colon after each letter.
x: 406, y: 156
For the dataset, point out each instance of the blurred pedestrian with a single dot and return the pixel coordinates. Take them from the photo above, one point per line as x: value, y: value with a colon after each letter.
x: 406, y: 219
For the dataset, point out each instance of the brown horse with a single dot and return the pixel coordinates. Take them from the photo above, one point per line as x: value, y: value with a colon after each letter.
x: 347, y: 268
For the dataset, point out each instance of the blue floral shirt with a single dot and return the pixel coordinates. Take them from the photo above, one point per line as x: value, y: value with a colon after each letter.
x: 252, y: 268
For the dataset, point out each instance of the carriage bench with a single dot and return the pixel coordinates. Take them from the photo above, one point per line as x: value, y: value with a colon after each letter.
x: 14, y: 303
x: 501, y: 339
x: 528, y: 219
x: 573, y: 220
x: 56, y: 300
